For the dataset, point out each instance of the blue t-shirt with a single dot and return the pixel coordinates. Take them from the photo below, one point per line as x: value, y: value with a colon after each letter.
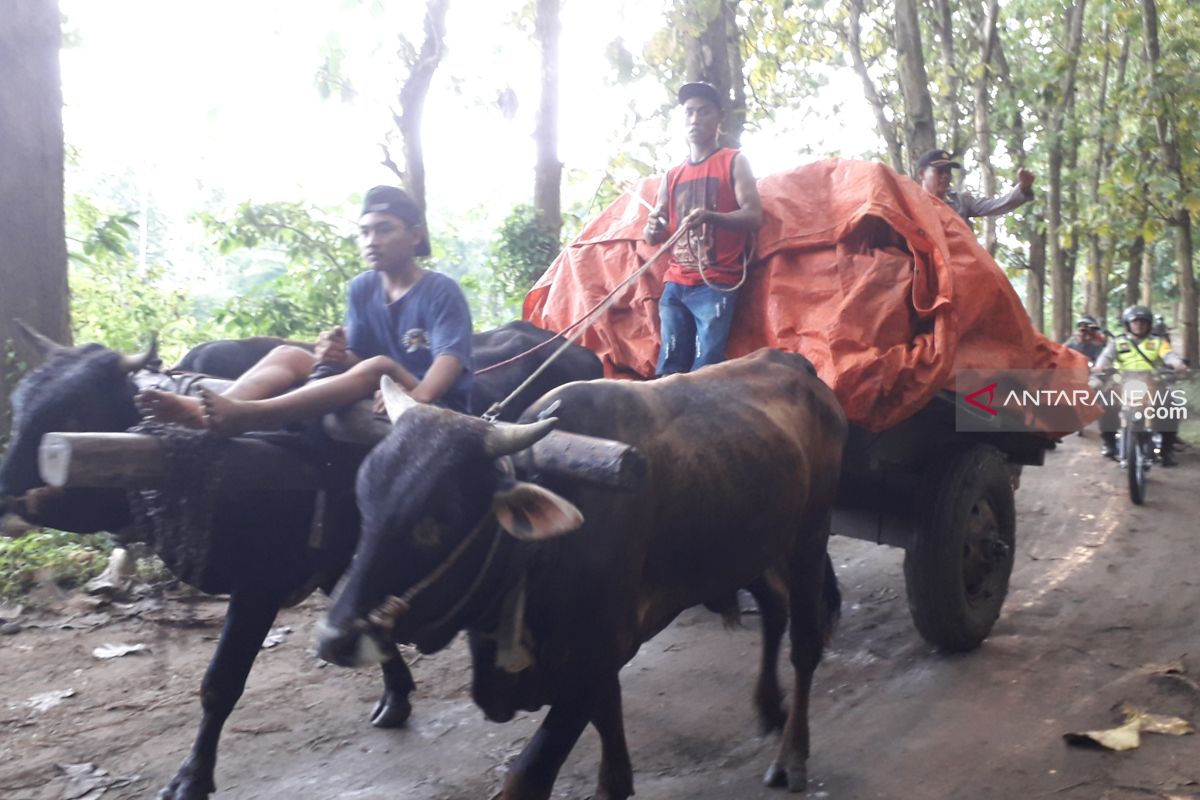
x: 431, y: 319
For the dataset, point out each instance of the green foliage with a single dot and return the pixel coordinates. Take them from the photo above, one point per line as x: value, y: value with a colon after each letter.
x: 64, y: 559
x: 117, y: 298
x: 296, y: 282
x: 522, y: 250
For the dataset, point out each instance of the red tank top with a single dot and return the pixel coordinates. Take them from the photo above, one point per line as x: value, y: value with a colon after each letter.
x: 708, y: 184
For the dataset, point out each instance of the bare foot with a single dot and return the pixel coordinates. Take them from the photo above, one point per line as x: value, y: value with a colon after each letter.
x: 229, y: 417
x: 167, y: 407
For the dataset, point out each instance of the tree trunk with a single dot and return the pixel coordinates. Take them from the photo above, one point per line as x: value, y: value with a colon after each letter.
x: 1035, y: 286
x: 983, y: 119
x: 33, y: 249
x: 1100, y: 309
x: 1185, y: 265
x: 1133, y: 275
x: 547, y: 180
x: 412, y: 104
x: 1060, y: 293
x: 1100, y: 258
x: 1180, y: 220
x: 914, y: 82
x: 885, y: 126
x: 715, y: 57
x: 1060, y: 279
x: 1095, y: 273
x: 1145, y: 294
x: 950, y: 107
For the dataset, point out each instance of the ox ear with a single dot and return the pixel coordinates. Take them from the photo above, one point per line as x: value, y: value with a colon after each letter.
x: 531, y: 513
x: 395, y: 399
x: 43, y: 345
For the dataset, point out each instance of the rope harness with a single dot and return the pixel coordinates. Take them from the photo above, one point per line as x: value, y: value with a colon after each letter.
x: 583, y: 323
x: 384, y: 616
x: 176, y: 518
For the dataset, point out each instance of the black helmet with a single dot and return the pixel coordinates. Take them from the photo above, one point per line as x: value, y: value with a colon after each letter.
x: 1134, y: 313
x: 1086, y: 321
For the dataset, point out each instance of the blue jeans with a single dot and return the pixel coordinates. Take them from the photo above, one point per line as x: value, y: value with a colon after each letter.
x: 695, y: 327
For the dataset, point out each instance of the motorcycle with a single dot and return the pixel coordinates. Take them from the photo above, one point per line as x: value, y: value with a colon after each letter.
x: 1139, y: 445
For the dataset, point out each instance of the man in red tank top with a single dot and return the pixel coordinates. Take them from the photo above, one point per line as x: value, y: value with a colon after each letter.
x: 712, y: 195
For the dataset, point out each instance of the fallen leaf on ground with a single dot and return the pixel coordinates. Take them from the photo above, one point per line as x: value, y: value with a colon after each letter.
x: 1156, y: 723
x: 110, y: 650
x: 89, y: 782
x: 276, y: 636
x: 1128, y: 735
x: 1125, y: 737
x: 48, y: 700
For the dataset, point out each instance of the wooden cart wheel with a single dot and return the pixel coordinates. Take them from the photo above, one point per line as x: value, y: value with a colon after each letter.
x: 957, y: 568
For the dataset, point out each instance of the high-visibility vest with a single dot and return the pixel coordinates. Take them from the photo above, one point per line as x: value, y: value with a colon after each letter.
x: 1153, y: 349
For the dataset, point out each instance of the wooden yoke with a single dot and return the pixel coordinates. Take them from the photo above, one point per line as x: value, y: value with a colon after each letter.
x: 135, y: 461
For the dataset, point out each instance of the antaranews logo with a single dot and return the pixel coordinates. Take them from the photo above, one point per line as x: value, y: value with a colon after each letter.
x: 1062, y: 400
x: 974, y: 398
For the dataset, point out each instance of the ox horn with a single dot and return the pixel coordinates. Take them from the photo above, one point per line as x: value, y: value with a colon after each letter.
x: 138, y: 362
x: 395, y: 399
x: 506, y: 438
x: 42, y: 344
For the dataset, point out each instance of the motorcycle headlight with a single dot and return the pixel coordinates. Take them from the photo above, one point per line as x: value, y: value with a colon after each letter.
x: 1135, y: 387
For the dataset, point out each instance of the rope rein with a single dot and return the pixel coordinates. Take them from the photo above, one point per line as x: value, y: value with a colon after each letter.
x: 582, y: 324
x: 384, y: 616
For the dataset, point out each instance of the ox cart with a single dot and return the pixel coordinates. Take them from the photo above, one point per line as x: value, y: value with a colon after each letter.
x: 943, y: 496
x: 946, y: 497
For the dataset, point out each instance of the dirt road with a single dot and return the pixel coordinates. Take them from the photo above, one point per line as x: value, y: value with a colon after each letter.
x: 1104, y: 607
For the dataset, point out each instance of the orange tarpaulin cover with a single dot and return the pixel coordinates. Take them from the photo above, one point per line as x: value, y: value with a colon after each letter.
x: 882, y: 286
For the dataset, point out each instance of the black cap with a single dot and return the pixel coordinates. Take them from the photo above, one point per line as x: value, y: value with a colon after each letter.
x: 395, y: 201
x: 700, y: 89
x: 937, y: 158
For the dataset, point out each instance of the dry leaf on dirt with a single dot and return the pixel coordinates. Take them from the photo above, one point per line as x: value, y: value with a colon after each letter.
x: 1125, y: 737
x: 1128, y: 735
x: 276, y: 636
x: 111, y: 650
x: 48, y: 700
x: 1156, y: 723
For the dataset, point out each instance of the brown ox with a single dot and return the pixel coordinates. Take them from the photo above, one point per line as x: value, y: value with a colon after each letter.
x: 743, y: 460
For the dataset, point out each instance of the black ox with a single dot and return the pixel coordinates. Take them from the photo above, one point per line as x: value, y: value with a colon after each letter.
x: 743, y: 461
x: 260, y: 539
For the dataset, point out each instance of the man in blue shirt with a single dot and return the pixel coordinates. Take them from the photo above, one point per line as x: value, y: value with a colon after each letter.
x: 401, y: 320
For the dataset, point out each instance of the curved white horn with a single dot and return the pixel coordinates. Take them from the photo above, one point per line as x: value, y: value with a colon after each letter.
x: 138, y: 362
x: 506, y: 438
x: 44, y: 345
x: 395, y: 399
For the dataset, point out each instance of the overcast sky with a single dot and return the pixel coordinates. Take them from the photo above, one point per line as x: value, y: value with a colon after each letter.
x: 196, y: 97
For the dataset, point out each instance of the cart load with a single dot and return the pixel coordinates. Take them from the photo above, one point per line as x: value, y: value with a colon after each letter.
x: 882, y: 286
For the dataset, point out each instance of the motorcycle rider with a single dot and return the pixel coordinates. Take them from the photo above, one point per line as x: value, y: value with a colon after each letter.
x: 1088, y: 339
x: 1136, y: 350
x: 1160, y: 327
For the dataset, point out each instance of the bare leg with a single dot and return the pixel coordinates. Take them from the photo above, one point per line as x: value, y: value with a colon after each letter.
x: 230, y: 416
x: 278, y: 371
x: 168, y: 407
